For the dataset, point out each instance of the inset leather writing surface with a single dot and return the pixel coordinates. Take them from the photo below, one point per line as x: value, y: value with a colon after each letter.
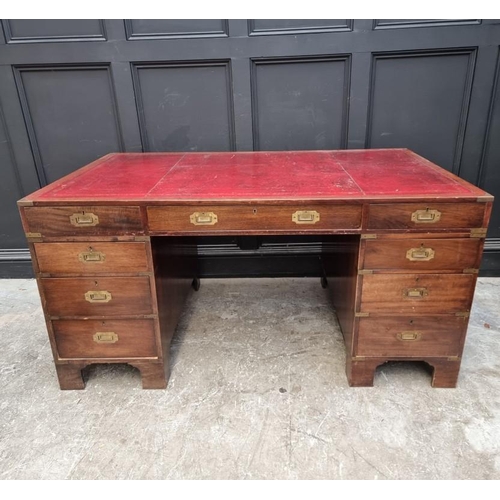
x: 396, y: 172
x: 308, y: 175
x: 259, y: 175
x: 117, y: 176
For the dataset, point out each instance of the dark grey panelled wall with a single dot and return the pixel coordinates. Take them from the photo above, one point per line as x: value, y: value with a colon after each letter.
x: 74, y: 90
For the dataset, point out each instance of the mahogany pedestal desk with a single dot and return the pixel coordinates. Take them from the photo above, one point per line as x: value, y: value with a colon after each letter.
x: 114, y: 250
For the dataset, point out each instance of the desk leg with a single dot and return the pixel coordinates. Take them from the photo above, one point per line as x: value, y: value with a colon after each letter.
x: 445, y: 373
x: 153, y: 375
x: 361, y: 373
x: 70, y: 377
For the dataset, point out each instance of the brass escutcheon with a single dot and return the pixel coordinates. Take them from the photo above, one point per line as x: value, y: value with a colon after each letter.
x: 422, y: 254
x: 409, y: 336
x: 415, y: 293
x: 203, y: 219
x: 84, y: 219
x: 97, y: 296
x: 305, y: 217
x: 425, y: 216
x: 91, y: 256
x: 105, y: 337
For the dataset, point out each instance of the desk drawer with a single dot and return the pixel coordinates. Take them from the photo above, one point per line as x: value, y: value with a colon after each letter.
x: 455, y: 254
x: 426, y: 217
x: 91, y: 258
x: 105, y: 339
x: 417, y: 293
x: 97, y: 296
x: 213, y: 219
x: 83, y: 220
x: 424, y: 336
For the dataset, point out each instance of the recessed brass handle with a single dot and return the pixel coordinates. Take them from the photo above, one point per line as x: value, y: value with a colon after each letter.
x: 305, y: 217
x: 415, y: 293
x: 203, y: 219
x: 84, y: 219
x: 105, y: 337
x: 426, y: 216
x: 91, y: 256
x: 409, y: 336
x: 98, y: 296
x: 422, y: 254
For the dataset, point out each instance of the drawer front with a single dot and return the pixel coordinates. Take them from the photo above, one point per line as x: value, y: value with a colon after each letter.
x: 83, y: 220
x: 214, y: 219
x: 105, y: 339
x: 424, y: 336
x: 417, y: 293
x: 412, y: 254
x: 426, y: 217
x: 97, y: 296
x: 91, y: 258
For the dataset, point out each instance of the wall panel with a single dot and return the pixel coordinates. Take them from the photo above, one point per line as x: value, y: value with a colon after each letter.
x: 145, y: 29
x: 185, y: 107
x: 420, y: 101
x: 53, y: 30
x: 70, y: 116
x: 300, y: 103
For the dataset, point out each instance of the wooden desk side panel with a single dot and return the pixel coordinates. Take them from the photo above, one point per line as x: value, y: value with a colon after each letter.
x: 340, y: 263
x: 175, y: 267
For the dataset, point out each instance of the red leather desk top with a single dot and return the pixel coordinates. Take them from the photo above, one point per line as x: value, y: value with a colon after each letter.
x: 287, y: 175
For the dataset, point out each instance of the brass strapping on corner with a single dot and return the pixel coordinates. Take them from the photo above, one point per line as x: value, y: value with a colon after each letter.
x: 368, y: 236
x: 365, y: 271
x: 478, y: 232
x: 453, y: 358
x: 471, y: 271
x: 463, y: 314
x: 33, y: 235
x: 361, y: 315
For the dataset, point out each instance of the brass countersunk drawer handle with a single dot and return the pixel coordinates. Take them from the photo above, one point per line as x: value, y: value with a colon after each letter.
x: 415, y: 293
x: 91, y: 256
x: 409, y: 336
x: 305, y: 217
x: 425, y: 216
x: 84, y: 219
x: 203, y: 219
x: 105, y: 337
x: 98, y: 296
x: 422, y: 254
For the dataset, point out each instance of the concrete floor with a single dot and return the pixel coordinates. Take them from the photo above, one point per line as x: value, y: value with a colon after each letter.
x: 257, y: 391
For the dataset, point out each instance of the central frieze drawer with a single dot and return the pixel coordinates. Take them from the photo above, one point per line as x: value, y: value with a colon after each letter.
x: 83, y: 220
x: 91, y: 258
x: 214, y: 219
x: 454, y: 254
x: 105, y: 339
x: 417, y: 293
x: 99, y: 296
